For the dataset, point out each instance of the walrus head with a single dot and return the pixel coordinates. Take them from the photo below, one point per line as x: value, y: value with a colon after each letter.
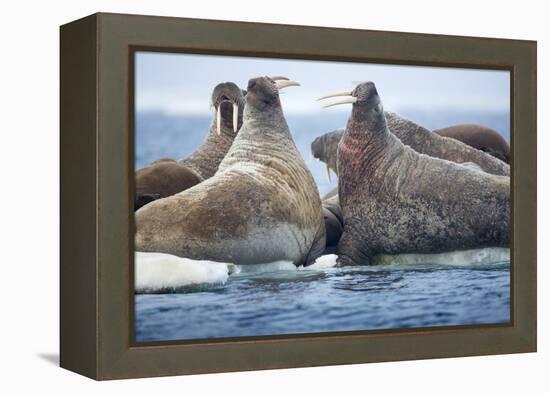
x: 228, y: 102
x: 318, y: 148
x: 325, y: 149
x: 263, y: 92
x: 367, y: 106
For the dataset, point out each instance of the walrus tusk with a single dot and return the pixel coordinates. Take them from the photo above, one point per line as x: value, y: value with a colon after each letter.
x: 218, y: 119
x: 339, y: 94
x: 285, y: 83
x: 347, y: 100
x: 328, y: 174
x: 279, y: 78
x: 235, y: 117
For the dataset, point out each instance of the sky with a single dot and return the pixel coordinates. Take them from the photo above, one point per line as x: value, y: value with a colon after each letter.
x: 182, y: 83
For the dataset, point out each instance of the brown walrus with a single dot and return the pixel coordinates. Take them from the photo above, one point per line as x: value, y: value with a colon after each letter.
x: 262, y: 205
x: 422, y: 140
x: 395, y: 200
x: 167, y: 177
x: 325, y: 148
x: 482, y: 138
x: 160, y: 179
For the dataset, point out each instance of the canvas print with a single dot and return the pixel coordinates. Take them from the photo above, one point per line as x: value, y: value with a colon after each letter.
x: 282, y: 197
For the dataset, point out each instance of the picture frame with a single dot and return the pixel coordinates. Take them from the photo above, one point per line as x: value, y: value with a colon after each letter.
x: 97, y: 167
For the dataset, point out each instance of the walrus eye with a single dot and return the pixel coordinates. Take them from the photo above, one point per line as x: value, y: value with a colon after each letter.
x: 378, y: 108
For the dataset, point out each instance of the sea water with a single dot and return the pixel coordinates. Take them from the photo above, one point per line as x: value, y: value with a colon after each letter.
x: 278, y: 298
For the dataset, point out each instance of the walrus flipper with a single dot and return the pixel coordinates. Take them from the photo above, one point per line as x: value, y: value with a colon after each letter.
x: 351, y: 252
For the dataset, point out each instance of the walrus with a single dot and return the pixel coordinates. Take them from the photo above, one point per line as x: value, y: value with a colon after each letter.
x: 228, y: 101
x: 482, y: 138
x: 262, y: 205
x: 325, y: 148
x: 395, y: 200
x: 334, y: 224
x: 161, y: 179
x: 166, y: 176
x: 422, y: 140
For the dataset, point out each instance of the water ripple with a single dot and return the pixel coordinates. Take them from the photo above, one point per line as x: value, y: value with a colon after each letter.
x: 355, y: 298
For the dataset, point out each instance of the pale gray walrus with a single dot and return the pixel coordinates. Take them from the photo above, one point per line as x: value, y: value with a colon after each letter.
x: 167, y: 177
x: 325, y: 146
x: 482, y: 138
x: 395, y: 200
x: 262, y: 205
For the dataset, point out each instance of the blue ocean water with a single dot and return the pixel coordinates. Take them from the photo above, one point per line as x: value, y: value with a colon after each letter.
x: 331, y: 300
x: 300, y: 301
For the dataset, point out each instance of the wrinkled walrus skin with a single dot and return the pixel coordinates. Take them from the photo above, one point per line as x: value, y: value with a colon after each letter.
x: 422, y: 140
x: 167, y: 177
x: 395, y: 200
x: 482, y: 138
x: 325, y: 148
x: 262, y: 205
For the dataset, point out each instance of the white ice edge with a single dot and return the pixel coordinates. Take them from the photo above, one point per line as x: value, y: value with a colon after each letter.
x: 157, y: 272
x: 473, y: 257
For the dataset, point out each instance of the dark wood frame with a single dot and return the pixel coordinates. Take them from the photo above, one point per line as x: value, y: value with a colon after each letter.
x: 97, y: 195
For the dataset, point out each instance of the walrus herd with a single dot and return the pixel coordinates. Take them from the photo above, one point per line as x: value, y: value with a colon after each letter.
x: 246, y: 195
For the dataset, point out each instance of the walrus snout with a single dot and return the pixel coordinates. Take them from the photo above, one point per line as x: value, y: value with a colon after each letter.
x: 365, y: 93
x: 227, y: 91
x: 263, y: 91
x: 317, y: 148
x: 228, y: 101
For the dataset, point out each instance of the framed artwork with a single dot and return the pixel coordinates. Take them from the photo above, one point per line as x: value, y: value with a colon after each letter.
x: 241, y: 196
